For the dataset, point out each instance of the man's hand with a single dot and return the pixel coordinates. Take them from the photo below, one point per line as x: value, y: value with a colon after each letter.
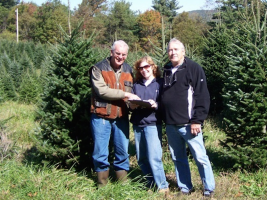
x: 131, y: 96
x: 195, y: 129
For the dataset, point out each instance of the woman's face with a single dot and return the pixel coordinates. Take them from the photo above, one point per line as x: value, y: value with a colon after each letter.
x: 146, y: 70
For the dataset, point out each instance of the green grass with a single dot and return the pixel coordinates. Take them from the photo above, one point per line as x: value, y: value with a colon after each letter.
x: 20, y: 120
x: 27, y: 181
x: 22, y: 180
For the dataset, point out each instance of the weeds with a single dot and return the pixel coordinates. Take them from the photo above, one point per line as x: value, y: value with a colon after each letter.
x: 5, y: 146
x: 254, y: 184
x: 19, y: 120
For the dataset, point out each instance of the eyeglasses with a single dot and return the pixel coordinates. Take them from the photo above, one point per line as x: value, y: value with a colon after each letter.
x: 143, y: 67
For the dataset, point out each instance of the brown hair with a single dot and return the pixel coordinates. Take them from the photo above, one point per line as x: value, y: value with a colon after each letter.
x: 148, y: 59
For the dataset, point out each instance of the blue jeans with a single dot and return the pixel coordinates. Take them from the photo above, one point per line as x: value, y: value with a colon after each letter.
x: 101, y: 132
x: 178, y: 137
x: 149, y: 154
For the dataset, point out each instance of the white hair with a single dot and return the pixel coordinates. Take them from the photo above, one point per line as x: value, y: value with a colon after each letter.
x: 120, y: 42
x: 176, y: 41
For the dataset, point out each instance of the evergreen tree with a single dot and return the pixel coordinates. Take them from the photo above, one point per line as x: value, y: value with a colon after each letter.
x: 218, y: 41
x: 2, y: 90
x: 3, y: 18
x: 19, y: 61
x: 168, y: 10
x: 39, y: 54
x: 121, y: 23
x: 214, y: 62
x: 7, y: 77
x: 245, y: 95
x: 64, y: 137
x: 229, y: 11
x: 30, y: 89
x: 9, y: 3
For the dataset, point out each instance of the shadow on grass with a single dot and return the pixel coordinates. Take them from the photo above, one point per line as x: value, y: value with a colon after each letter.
x: 220, y: 161
x: 34, y: 157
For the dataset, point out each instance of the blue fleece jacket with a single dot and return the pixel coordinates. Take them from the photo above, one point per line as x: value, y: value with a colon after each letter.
x: 147, y: 116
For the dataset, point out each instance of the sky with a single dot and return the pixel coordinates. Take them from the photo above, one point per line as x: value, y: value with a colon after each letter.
x: 141, y: 5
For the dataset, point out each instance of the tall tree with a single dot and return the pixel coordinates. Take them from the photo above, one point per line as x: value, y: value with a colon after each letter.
x: 150, y: 29
x: 121, y: 23
x: 217, y: 45
x: 245, y: 94
x: 9, y: 3
x: 49, y: 15
x: 88, y: 8
x: 168, y: 10
x: 3, y: 18
x: 229, y: 11
x: 65, y: 137
x: 88, y: 12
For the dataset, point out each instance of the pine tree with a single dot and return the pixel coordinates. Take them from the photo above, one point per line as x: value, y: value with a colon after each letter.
x: 245, y: 96
x: 30, y: 88
x: 7, y: 79
x: 215, y: 63
x: 2, y: 90
x: 64, y: 136
x: 23, y: 61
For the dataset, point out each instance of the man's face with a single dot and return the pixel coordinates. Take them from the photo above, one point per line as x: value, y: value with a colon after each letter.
x: 119, y: 55
x: 176, y: 53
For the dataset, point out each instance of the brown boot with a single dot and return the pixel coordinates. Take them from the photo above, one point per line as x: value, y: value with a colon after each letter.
x: 121, y: 175
x: 102, y: 178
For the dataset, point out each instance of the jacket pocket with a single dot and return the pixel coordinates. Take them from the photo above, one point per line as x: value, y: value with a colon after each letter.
x: 128, y: 85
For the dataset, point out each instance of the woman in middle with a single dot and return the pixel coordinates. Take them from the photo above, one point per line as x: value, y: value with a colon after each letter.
x: 147, y: 123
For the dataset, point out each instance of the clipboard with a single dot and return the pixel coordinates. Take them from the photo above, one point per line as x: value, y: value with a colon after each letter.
x: 143, y: 103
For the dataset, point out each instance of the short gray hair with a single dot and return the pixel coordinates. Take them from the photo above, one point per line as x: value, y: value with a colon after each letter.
x: 120, y: 42
x: 176, y: 41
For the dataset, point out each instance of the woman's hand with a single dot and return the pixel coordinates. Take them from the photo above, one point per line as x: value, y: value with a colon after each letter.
x: 153, y: 103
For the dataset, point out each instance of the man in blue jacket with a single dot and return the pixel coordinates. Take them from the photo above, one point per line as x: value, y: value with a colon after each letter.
x: 185, y: 102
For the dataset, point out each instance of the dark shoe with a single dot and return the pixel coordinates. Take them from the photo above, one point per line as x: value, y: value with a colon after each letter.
x: 208, y: 194
x: 102, y: 178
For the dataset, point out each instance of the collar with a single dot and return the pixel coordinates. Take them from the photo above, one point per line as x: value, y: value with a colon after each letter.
x: 142, y: 81
x: 169, y: 67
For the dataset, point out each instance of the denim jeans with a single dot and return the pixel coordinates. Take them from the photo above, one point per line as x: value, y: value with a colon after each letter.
x: 149, y: 154
x: 101, y: 132
x: 178, y: 137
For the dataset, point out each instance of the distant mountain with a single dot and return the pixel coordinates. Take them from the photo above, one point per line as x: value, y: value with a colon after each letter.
x: 205, y: 14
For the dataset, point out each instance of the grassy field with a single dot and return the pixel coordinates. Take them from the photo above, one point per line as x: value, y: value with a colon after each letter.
x: 23, y: 180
